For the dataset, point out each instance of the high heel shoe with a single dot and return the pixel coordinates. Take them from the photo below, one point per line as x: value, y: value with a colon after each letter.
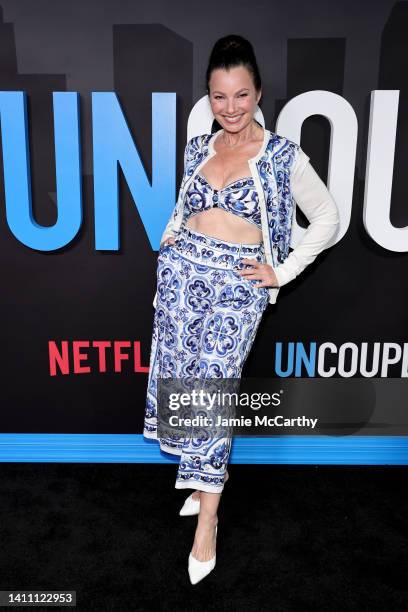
x: 197, y: 570
x: 192, y: 506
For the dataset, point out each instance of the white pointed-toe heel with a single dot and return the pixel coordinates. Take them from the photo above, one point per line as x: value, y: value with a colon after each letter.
x: 197, y: 570
x: 191, y: 506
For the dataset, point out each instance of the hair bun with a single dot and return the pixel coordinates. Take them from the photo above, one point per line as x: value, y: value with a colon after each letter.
x: 231, y: 51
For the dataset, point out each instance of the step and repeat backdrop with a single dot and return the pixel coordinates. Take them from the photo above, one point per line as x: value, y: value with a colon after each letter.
x: 97, y: 101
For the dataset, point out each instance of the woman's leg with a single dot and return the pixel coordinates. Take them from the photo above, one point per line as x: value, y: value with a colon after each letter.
x: 196, y: 494
x: 204, y: 539
x: 229, y: 333
x: 216, y: 314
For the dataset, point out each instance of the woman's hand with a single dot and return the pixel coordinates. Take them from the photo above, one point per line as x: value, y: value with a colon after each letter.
x: 260, y: 271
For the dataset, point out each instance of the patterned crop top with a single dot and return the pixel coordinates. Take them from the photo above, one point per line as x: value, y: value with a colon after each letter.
x: 239, y: 198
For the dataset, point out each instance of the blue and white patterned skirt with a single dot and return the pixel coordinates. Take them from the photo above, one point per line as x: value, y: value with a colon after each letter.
x: 205, y: 323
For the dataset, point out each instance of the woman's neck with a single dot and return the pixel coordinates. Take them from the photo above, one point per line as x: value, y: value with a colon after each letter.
x: 248, y: 134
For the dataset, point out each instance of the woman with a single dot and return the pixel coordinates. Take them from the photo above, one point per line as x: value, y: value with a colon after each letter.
x: 223, y: 257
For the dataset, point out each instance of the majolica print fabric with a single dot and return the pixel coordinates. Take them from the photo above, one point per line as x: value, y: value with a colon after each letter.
x: 279, y: 159
x: 274, y: 169
x: 271, y: 171
x: 205, y: 322
x: 239, y: 198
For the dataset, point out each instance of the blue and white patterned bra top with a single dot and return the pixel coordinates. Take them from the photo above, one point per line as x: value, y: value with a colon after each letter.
x: 239, y: 198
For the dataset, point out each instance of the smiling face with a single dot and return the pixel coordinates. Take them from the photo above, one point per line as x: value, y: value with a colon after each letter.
x: 233, y: 97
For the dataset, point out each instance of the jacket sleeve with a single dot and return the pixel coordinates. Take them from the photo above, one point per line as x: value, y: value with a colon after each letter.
x: 169, y: 231
x: 315, y: 201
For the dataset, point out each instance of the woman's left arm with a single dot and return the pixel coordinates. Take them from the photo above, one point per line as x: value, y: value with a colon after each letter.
x: 320, y: 209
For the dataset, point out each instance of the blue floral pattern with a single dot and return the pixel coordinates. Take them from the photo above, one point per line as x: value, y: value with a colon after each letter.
x: 274, y: 170
x: 239, y: 198
x: 204, y: 326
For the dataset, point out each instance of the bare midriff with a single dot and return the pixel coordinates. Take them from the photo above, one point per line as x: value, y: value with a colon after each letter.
x: 225, y: 226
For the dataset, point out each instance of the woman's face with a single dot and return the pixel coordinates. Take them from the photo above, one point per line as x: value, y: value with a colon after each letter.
x: 233, y: 97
